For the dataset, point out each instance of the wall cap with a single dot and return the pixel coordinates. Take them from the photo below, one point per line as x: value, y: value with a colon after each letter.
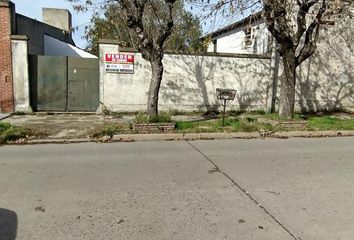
x: 6, y: 3
x: 19, y: 37
x: 207, y: 54
x: 108, y: 41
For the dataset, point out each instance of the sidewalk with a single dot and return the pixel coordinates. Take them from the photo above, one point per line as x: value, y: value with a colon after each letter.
x: 4, y: 116
x: 75, y: 128
x: 64, y: 126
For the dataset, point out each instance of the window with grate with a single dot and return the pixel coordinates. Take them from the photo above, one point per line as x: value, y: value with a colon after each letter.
x: 248, y: 37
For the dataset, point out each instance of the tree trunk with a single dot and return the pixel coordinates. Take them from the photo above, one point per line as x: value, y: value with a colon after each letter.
x: 287, y: 86
x: 155, y: 83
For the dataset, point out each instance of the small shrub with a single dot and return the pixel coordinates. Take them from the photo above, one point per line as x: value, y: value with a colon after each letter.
x: 4, y: 126
x: 246, y: 126
x: 251, y: 119
x: 141, y: 118
x: 105, y: 110
x: 11, y: 133
x: 160, y: 118
x: 20, y: 113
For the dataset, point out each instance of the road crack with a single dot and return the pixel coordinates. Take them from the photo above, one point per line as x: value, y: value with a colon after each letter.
x: 243, y: 190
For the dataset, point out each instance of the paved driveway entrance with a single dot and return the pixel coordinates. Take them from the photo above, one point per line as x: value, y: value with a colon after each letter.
x: 65, y: 126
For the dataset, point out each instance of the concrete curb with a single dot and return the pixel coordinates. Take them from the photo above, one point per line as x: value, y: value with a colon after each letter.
x: 58, y: 141
x: 236, y: 135
x: 194, y: 136
x: 314, y: 134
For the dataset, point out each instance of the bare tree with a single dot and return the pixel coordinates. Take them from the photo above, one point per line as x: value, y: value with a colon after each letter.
x: 297, y: 40
x: 151, y: 21
x: 295, y: 25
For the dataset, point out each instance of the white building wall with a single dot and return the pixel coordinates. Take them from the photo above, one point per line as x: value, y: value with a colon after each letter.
x: 234, y: 41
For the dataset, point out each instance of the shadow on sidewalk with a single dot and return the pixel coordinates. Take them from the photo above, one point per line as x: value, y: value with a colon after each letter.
x: 8, y: 224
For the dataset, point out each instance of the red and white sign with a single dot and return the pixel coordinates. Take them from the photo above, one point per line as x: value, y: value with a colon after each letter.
x: 120, y: 63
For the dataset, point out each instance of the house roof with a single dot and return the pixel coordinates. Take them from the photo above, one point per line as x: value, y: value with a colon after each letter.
x: 250, y: 19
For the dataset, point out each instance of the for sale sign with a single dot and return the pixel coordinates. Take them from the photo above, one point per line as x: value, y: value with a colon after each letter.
x: 119, y: 63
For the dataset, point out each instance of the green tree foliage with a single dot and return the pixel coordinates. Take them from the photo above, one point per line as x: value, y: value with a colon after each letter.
x: 185, y: 36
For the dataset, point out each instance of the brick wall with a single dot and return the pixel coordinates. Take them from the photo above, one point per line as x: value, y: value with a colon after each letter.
x: 6, y: 83
x: 154, y: 127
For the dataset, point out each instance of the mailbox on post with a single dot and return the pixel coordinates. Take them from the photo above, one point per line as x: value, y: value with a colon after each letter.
x: 226, y: 96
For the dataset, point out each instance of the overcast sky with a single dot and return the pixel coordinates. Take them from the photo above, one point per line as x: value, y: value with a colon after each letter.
x: 33, y: 9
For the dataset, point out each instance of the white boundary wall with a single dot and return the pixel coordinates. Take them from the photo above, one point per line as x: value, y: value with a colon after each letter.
x: 326, y: 80
x: 189, y: 82
x: 19, y: 47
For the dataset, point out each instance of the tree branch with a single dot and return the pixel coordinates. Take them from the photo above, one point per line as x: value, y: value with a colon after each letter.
x: 167, y: 30
x: 304, y: 8
x: 311, y: 35
x: 275, y: 15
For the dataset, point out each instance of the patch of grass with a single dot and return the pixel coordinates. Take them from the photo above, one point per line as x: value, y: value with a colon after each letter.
x: 4, y: 126
x: 142, y: 118
x: 231, y: 125
x: 183, y: 125
x: 330, y: 123
x: 198, y: 126
x: 160, y: 118
x: 108, y: 130
x: 12, y: 133
x: 248, y: 126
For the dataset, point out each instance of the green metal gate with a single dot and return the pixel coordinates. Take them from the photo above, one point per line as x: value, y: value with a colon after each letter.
x: 64, y: 83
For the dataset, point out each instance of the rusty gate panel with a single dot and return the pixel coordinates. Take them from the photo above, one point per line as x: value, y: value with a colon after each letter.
x: 51, y: 83
x: 83, y: 84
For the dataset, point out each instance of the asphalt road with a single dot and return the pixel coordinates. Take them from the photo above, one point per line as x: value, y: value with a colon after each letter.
x: 221, y: 189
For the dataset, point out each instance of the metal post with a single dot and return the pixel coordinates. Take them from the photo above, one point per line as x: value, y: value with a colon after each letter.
x: 223, y: 115
x: 225, y: 95
x: 275, y: 60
